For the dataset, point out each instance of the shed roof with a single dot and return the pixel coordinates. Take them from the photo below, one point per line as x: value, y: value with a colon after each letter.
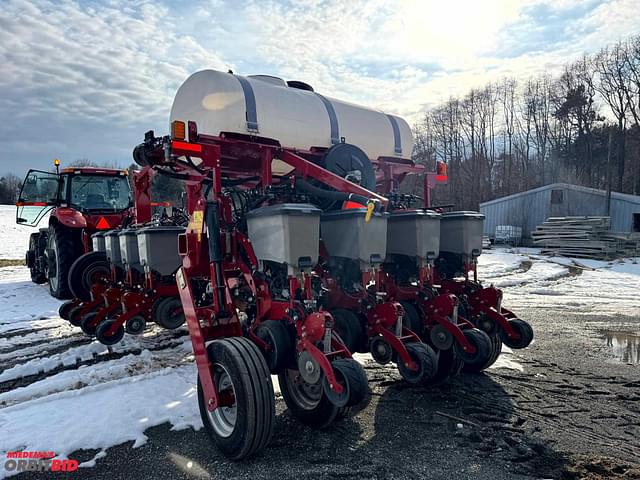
x: 618, y: 196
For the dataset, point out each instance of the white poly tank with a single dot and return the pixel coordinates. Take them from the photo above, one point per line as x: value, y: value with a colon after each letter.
x: 267, y: 107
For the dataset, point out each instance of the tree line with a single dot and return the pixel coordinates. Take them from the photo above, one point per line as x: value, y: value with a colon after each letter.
x: 581, y: 126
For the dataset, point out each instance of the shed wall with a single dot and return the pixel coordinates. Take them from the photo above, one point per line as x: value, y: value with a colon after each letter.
x: 530, y: 209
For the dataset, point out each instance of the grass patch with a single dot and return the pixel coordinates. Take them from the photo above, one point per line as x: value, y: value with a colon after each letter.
x: 10, y: 263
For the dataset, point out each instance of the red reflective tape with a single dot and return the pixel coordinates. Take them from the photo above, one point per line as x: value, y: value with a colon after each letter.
x: 31, y: 204
x: 351, y: 204
x: 441, y: 178
x: 160, y: 204
x: 191, y: 147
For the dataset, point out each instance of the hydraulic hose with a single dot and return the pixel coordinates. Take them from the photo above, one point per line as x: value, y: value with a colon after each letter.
x: 330, y: 194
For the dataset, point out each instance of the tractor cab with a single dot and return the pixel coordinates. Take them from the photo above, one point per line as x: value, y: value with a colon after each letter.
x: 90, y: 191
x: 78, y: 202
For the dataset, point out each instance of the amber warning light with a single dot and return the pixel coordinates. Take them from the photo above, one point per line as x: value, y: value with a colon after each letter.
x: 441, y: 172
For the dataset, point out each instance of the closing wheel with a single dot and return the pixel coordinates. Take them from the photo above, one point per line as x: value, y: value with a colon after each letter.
x: 275, y: 334
x: 168, y: 313
x: 307, y: 402
x: 87, y: 323
x: 75, y: 318
x: 440, y: 337
x: 380, y: 350
x: 449, y: 365
x: 412, y: 318
x: 243, y: 424
x: 106, y: 338
x: 487, y: 325
x: 496, y: 348
x: 426, y: 360
x: 349, y: 329
x: 351, y: 376
x: 525, y: 331
x: 482, y: 344
x: 135, y: 325
x: 85, y: 272
x: 65, y: 309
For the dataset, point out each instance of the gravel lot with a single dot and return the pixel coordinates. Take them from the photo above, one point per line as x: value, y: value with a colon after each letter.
x: 573, y: 412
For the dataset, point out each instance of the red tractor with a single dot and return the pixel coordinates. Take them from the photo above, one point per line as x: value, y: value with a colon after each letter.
x: 78, y: 201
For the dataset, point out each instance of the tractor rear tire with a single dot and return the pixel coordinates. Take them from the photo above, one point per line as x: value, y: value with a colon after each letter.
x: 246, y: 427
x: 37, y: 275
x: 64, y: 246
x: 85, y: 271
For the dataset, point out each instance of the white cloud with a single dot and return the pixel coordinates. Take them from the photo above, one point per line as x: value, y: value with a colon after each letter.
x: 87, y: 79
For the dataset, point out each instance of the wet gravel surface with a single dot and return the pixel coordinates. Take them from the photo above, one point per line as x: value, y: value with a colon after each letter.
x: 572, y: 412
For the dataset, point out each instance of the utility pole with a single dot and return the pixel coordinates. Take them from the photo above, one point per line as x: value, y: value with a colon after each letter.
x: 609, y: 173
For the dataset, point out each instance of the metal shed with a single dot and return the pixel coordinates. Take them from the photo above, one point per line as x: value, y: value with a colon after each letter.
x: 529, y: 209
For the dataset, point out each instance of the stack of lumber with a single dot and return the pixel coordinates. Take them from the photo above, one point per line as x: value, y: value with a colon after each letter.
x: 584, y: 237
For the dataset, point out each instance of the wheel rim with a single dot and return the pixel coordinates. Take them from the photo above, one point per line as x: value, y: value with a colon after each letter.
x: 223, y: 419
x: 306, y: 395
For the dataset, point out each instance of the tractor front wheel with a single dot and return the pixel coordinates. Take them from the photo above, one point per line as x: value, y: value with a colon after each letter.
x: 38, y: 274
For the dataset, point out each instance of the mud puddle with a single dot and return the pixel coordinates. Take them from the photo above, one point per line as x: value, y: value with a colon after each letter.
x: 625, y: 346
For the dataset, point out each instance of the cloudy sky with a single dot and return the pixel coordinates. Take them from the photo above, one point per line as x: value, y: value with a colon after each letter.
x: 86, y: 79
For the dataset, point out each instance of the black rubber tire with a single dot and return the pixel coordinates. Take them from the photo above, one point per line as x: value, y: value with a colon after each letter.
x: 63, y: 242
x: 449, y: 365
x: 136, y: 325
x: 105, y: 339
x: 37, y: 276
x: 276, y: 335
x: 86, y: 269
x: 348, y: 326
x: 65, y: 309
x: 412, y: 318
x: 74, y: 316
x: 481, y: 342
x: 352, y: 377
x: 496, y: 349
x: 168, y: 313
x: 319, y: 415
x: 85, y: 324
x: 427, y: 362
x: 525, y: 331
x: 254, y: 395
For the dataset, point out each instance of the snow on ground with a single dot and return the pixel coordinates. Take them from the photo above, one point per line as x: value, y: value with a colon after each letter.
x: 51, y: 374
x: 608, y: 288
x: 14, y: 238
